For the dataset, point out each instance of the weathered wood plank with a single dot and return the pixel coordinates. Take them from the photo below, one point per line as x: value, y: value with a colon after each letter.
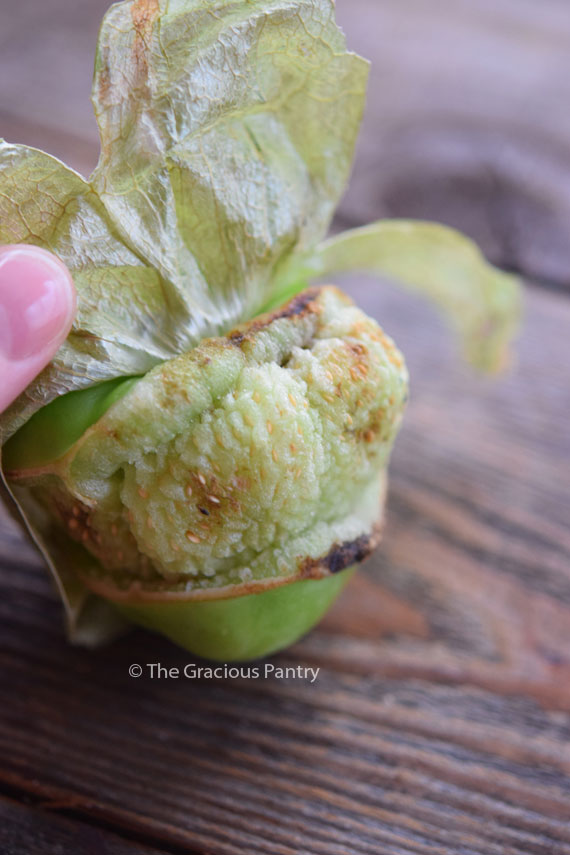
x: 466, y: 123
x: 476, y: 557
x: 466, y: 120
x: 353, y: 764
x: 34, y: 831
x: 440, y: 720
x: 47, y: 52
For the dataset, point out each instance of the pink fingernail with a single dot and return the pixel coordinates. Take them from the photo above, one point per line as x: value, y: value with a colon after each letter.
x: 37, y: 301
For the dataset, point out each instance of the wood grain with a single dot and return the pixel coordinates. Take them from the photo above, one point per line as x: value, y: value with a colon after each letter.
x: 357, y: 764
x: 34, y: 831
x: 440, y: 718
x: 467, y: 120
x: 466, y: 123
x: 439, y: 723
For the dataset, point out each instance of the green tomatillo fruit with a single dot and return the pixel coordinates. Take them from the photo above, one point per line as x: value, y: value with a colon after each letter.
x: 206, y: 454
x: 226, y: 474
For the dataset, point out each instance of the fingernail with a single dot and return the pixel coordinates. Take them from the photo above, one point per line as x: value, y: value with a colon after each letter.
x: 37, y: 301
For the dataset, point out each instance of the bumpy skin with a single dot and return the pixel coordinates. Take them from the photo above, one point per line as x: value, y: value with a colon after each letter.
x: 250, y: 461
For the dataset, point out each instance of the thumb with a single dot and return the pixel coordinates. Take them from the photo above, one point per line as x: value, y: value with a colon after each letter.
x: 37, y: 306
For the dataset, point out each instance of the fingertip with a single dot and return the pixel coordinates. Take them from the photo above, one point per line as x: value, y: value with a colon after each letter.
x: 37, y: 307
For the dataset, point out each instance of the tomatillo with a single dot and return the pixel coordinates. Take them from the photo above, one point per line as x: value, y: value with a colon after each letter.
x: 220, y: 496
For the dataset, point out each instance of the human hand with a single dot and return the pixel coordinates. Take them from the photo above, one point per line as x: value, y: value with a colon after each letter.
x: 37, y: 307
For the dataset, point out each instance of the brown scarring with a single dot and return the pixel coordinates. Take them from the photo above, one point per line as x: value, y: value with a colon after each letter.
x: 340, y: 556
x: 301, y: 305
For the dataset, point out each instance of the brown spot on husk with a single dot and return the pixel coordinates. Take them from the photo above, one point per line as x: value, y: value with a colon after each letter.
x: 104, y: 84
x: 143, y: 14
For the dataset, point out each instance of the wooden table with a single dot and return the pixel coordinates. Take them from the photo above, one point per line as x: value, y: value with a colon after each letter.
x: 440, y: 718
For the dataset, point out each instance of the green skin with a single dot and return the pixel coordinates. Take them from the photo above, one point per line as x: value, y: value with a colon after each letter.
x: 52, y: 430
x: 246, y: 627
x: 226, y: 630
x: 130, y: 466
